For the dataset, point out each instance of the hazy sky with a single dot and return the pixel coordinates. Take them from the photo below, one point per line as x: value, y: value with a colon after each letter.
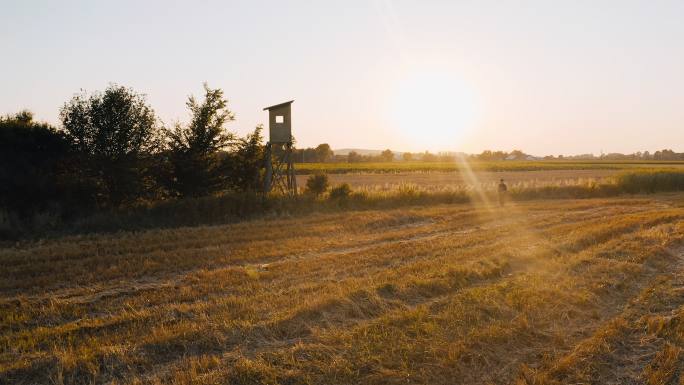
x: 547, y: 77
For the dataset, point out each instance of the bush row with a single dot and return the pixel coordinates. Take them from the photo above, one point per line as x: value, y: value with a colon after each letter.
x: 237, y: 206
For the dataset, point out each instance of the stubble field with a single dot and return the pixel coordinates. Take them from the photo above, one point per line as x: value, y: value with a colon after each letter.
x: 537, y: 292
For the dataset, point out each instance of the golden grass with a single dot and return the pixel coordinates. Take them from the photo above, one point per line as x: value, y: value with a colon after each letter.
x: 496, y: 166
x: 439, y: 181
x: 562, y: 291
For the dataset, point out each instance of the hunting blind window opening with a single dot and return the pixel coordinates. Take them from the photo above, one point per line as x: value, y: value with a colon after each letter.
x: 279, y: 119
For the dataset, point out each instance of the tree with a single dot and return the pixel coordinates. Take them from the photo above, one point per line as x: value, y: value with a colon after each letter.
x: 246, y: 162
x: 666, y: 155
x: 486, y: 155
x: 324, y: 153
x: 115, y: 133
x: 387, y: 156
x: 428, y: 157
x: 310, y: 155
x: 32, y: 158
x: 499, y: 155
x: 518, y: 155
x: 353, y: 157
x: 407, y: 156
x: 194, y: 148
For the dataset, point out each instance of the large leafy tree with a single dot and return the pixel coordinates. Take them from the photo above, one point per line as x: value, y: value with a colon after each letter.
x: 32, y: 158
x: 387, y: 156
x: 195, y: 148
x: 246, y: 162
x: 116, y: 134
x: 324, y: 153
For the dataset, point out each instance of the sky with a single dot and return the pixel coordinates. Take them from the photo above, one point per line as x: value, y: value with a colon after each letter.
x: 546, y: 77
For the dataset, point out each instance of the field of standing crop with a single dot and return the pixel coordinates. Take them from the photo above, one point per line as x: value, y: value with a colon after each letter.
x: 440, y: 180
x: 537, y: 292
x: 491, y: 166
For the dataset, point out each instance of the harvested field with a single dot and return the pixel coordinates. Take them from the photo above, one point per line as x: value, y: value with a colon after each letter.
x: 537, y: 292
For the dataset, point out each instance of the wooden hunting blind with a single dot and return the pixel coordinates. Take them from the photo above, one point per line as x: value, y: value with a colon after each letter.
x: 278, y: 155
x: 280, y: 123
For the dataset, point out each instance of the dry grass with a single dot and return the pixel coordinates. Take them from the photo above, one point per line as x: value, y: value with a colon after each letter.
x: 562, y: 291
x: 481, y: 166
x: 436, y: 181
x: 639, y: 179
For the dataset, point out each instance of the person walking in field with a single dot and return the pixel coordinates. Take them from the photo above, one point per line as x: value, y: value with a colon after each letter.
x: 502, y: 192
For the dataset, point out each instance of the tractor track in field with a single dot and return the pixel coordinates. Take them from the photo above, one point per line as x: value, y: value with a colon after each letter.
x: 96, y: 292
x: 629, y: 352
x: 341, y: 264
x: 641, y: 355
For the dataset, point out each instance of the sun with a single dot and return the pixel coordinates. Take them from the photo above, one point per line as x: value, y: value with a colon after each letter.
x: 433, y: 110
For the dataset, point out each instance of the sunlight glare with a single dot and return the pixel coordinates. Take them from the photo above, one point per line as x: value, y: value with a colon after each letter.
x: 434, y: 110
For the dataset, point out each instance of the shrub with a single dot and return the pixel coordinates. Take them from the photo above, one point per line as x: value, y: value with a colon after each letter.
x: 317, y: 184
x: 342, y: 191
x: 651, y: 181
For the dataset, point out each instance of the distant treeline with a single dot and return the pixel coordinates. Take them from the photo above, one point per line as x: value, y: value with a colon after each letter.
x: 658, y: 155
x: 665, y: 155
x: 111, y: 151
x: 323, y: 154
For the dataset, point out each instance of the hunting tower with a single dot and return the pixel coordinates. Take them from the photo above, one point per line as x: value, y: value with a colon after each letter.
x: 278, y: 156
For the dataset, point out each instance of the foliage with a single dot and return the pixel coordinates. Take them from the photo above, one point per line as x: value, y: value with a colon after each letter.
x: 244, y: 165
x: 387, y: 155
x: 112, y: 155
x: 205, y: 134
x: 651, y: 181
x: 354, y: 157
x: 194, y: 148
x: 489, y: 156
x: 324, y: 152
x: 233, y: 206
x: 317, y: 184
x: 33, y: 157
x: 321, y: 153
x: 115, y: 134
x: 341, y: 191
